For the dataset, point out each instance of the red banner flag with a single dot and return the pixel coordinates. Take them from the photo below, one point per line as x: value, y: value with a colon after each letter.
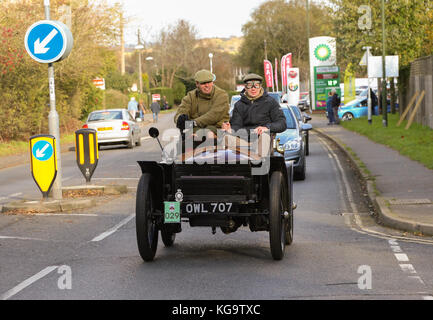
x: 268, y: 73
x: 286, y: 62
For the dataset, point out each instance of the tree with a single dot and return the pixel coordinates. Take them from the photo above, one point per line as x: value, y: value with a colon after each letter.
x: 358, y: 23
x: 283, y: 25
x: 24, y: 95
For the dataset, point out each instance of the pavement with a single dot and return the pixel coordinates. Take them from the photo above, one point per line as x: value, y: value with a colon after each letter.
x: 400, y: 189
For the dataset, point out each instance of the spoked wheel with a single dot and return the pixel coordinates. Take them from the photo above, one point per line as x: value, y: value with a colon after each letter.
x: 277, y: 229
x: 147, y: 231
x: 167, y: 237
x: 289, y: 228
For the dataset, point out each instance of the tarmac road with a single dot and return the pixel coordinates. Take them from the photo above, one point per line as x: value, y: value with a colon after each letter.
x: 331, y: 258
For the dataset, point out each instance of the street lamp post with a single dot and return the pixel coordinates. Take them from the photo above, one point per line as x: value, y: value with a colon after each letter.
x: 140, y: 78
x: 210, y: 58
x: 150, y: 95
x: 369, y: 93
x: 384, y: 104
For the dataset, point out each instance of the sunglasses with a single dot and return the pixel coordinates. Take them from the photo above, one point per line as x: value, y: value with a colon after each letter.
x: 255, y: 84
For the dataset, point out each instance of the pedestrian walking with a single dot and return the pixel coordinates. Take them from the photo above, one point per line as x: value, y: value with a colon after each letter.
x: 155, y: 108
x: 141, y: 108
x: 133, y: 107
x: 335, y: 104
x: 329, y: 109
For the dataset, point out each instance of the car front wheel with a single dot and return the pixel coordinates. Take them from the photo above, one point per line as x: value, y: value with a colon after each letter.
x: 347, y: 116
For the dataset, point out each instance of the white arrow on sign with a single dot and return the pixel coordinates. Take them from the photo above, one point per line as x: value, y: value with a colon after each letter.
x: 40, y: 153
x: 40, y: 47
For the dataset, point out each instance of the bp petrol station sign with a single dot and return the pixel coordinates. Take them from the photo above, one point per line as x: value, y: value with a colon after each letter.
x: 325, y: 79
x: 48, y: 41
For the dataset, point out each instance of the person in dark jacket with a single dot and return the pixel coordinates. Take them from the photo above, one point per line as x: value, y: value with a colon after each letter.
x: 256, y: 110
x: 335, y: 104
x: 329, y: 109
x: 156, y: 108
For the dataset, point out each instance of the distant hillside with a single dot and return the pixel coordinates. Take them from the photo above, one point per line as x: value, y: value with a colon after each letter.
x: 230, y: 45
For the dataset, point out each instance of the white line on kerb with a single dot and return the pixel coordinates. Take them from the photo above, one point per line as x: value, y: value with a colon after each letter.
x: 27, y: 282
x: 109, y: 232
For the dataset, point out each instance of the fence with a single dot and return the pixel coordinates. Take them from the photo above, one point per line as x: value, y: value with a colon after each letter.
x: 421, y: 78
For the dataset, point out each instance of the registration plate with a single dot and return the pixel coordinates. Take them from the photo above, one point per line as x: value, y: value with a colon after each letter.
x: 105, y: 129
x: 208, y: 207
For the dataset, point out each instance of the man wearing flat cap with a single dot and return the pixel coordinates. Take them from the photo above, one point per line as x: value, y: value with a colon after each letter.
x: 256, y: 110
x: 207, y: 105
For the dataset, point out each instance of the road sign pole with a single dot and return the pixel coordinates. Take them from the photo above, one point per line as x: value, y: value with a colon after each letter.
x: 53, y: 119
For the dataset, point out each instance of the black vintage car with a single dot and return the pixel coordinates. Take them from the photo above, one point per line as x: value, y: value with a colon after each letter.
x: 214, y: 187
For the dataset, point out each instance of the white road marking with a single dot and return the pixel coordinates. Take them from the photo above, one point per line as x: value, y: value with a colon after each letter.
x: 22, y: 238
x: 27, y: 282
x: 344, y: 177
x: 13, y: 195
x: 402, y: 257
x: 407, y: 268
x: 109, y: 232
x: 396, y: 249
x: 428, y: 297
x: 145, y: 138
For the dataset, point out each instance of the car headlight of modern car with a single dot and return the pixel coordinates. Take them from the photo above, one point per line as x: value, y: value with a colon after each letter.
x: 292, y: 144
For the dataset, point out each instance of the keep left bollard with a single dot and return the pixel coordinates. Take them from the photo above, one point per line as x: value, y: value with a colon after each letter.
x: 86, y: 146
x: 43, y: 162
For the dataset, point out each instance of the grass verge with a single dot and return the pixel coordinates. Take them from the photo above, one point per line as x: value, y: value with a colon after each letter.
x: 416, y: 143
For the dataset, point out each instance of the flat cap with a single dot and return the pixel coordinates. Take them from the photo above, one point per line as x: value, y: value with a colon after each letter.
x: 252, y: 76
x: 203, y: 76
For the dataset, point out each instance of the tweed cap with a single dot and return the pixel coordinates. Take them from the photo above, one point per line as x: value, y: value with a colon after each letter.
x: 204, y: 76
x: 252, y: 76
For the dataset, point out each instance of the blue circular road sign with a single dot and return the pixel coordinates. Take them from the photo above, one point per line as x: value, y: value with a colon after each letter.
x: 42, y: 150
x: 48, y: 41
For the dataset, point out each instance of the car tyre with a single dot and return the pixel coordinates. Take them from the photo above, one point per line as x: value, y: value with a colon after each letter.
x: 131, y: 142
x: 146, y: 228
x: 347, y: 116
x: 307, y: 144
x: 277, y: 229
x: 301, y: 171
x: 138, y: 143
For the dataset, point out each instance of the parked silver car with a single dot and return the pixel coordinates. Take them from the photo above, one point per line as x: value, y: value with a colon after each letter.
x: 114, y: 126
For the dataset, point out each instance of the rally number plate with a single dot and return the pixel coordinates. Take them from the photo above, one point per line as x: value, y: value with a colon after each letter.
x: 208, y: 207
x: 171, y: 212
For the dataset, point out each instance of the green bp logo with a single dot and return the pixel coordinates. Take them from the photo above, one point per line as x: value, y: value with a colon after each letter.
x: 322, y: 52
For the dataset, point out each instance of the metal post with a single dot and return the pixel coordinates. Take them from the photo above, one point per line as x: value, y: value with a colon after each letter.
x: 210, y: 59
x: 53, y: 119
x: 309, y: 67
x: 384, y: 104
x: 139, y: 72
x: 369, y: 87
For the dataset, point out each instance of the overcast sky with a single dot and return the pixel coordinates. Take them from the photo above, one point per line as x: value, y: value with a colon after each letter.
x: 220, y: 18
